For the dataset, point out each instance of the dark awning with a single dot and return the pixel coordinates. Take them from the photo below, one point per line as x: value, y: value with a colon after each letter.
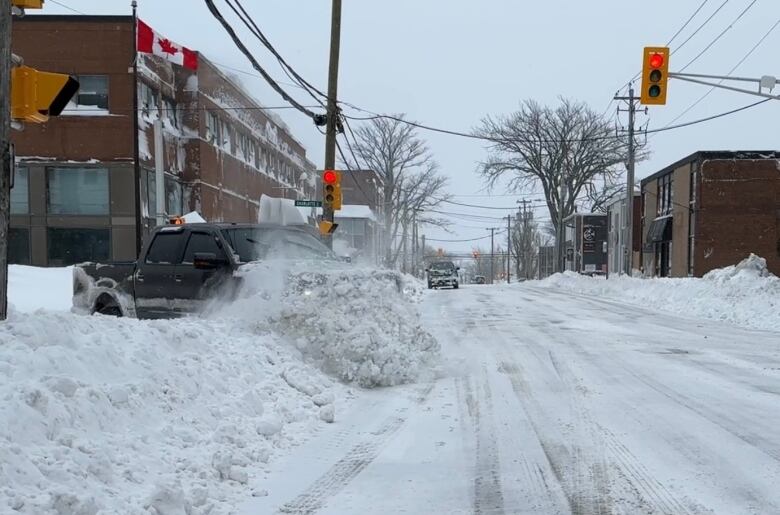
x: 660, y: 230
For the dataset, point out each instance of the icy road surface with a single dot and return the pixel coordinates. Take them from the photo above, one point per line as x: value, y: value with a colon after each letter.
x: 553, y: 403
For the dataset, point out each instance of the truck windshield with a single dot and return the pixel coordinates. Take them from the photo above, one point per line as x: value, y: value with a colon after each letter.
x: 442, y: 266
x: 255, y: 244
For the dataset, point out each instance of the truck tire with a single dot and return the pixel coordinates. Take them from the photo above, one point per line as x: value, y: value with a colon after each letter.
x: 106, y: 305
x: 455, y: 286
x: 112, y: 311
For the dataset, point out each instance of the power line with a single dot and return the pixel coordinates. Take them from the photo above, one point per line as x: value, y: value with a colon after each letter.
x: 733, y: 69
x: 701, y: 26
x: 247, y: 20
x: 463, y: 241
x: 515, y: 208
x: 713, y: 117
x: 232, y: 33
x: 717, y: 38
x: 701, y: 6
x: 71, y: 9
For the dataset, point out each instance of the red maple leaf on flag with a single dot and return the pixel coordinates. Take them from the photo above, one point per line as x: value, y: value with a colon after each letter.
x: 168, y: 47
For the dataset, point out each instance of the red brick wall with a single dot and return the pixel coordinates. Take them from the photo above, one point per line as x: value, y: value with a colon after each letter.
x: 80, y: 47
x: 738, y: 213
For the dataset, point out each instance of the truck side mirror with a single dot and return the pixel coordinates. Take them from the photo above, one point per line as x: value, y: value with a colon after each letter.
x: 207, y: 261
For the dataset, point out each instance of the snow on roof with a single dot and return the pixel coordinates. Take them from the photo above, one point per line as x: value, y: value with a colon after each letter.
x: 355, y: 211
x: 280, y: 211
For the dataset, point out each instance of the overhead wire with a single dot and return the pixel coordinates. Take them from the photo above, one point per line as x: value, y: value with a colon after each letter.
x: 722, y: 33
x: 256, y: 65
x: 730, y: 72
x: 67, y: 7
x: 247, y: 20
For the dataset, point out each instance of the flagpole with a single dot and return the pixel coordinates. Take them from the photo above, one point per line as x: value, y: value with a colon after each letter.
x: 136, y: 153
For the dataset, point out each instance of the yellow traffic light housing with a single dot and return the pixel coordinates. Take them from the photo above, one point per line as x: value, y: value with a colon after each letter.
x: 27, y: 4
x: 655, y: 75
x: 37, y: 95
x: 331, y: 190
x: 327, y: 228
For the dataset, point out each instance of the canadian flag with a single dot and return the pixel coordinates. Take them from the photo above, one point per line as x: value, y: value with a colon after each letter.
x: 150, y: 42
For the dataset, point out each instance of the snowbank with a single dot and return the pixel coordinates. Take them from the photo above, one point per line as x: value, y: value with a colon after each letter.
x: 358, y: 324
x: 745, y: 294
x: 104, y: 415
x: 31, y: 288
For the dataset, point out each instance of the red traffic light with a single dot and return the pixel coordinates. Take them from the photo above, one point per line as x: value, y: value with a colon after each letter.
x: 656, y: 60
x: 329, y: 177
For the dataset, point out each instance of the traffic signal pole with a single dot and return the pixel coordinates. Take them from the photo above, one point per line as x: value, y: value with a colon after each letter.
x: 332, y: 115
x: 6, y: 165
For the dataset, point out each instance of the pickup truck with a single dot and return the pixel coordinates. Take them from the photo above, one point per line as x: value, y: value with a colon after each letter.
x: 181, y: 267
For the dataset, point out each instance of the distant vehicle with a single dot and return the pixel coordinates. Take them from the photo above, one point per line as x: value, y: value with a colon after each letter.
x: 442, y: 273
x: 479, y: 279
x: 181, y: 267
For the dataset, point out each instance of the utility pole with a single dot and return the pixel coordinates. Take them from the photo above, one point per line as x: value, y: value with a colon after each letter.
x: 628, y: 236
x: 525, y: 218
x: 492, y: 255
x: 6, y: 157
x: 333, y: 109
x: 561, y: 247
x: 508, y: 248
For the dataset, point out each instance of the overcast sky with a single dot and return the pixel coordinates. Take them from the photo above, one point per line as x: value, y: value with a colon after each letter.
x: 448, y: 63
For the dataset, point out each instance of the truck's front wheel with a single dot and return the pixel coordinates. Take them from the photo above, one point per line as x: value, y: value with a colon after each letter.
x: 106, y: 305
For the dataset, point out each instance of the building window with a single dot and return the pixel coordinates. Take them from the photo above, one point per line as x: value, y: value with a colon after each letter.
x: 665, y: 195
x: 226, y: 131
x: 71, y: 246
x: 20, y: 193
x: 18, y: 246
x: 170, y: 112
x: 77, y: 191
x: 212, y: 128
x: 149, y: 98
x: 173, y: 196
x: 92, y: 94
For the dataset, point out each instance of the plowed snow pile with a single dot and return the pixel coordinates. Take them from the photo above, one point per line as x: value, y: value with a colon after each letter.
x: 359, y: 325
x: 104, y: 415
x: 745, y: 294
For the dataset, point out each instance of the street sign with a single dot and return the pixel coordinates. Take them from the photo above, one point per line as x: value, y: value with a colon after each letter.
x: 308, y: 203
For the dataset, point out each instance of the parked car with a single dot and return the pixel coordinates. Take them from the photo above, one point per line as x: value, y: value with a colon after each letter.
x: 442, y: 273
x: 181, y: 267
x: 479, y: 279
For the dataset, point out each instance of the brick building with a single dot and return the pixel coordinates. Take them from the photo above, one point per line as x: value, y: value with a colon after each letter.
x: 85, y: 181
x: 711, y: 210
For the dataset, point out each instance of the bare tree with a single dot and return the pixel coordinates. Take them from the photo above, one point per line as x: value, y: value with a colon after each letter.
x: 413, y: 183
x: 564, y: 151
x: 526, y: 240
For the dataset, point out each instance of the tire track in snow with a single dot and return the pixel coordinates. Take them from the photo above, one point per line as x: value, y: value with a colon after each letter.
x: 351, y: 464
x: 488, y: 494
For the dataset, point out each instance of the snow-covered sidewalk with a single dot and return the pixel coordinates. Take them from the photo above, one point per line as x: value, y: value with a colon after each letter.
x: 106, y: 415
x: 745, y: 294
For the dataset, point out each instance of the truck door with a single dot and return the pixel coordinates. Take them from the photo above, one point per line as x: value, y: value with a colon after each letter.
x: 195, y: 286
x: 154, y: 275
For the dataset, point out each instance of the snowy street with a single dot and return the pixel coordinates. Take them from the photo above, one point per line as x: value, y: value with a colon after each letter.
x: 550, y: 402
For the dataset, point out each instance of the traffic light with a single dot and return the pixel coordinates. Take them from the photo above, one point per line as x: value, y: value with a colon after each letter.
x: 327, y: 227
x: 655, y: 75
x: 27, y: 4
x: 37, y: 95
x: 331, y: 198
